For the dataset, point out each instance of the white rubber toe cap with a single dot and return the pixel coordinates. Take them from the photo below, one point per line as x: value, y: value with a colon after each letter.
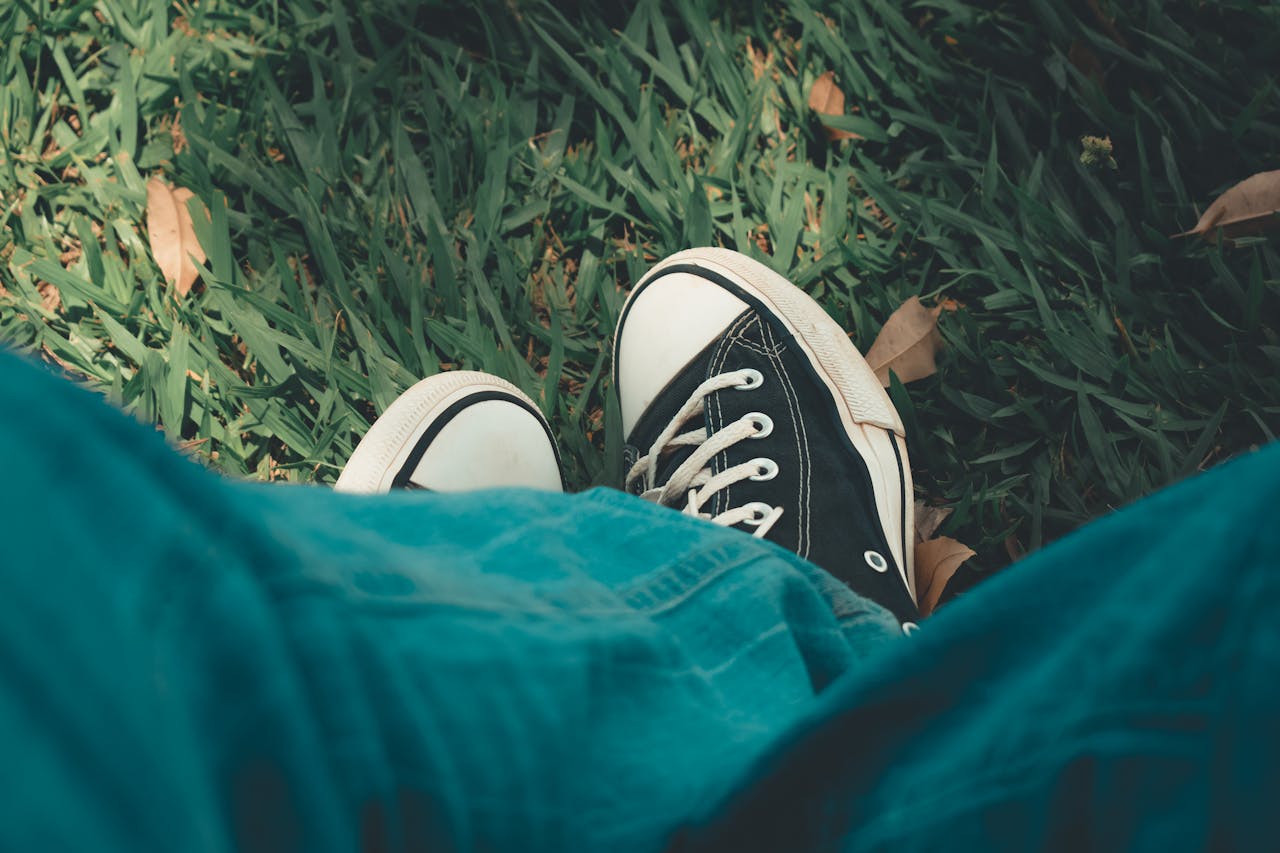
x: 490, y: 444
x: 456, y: 432
x: 668, y: 323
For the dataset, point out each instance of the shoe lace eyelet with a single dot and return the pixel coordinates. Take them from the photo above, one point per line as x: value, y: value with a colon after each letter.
x: 876, y: 561
x: 753, y: 379
x: 766, y: 469
x: 762, y: 422
x: 760, y: 511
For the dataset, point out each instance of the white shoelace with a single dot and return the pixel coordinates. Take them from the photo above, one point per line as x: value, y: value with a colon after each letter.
x: 692, y: 482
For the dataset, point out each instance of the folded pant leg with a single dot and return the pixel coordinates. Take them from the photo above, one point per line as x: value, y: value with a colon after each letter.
x: 1118, y: 690
x: 192, y: 663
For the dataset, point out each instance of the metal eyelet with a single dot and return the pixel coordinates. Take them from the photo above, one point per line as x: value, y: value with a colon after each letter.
x: 767, y: 468
x: 754, y: 379
x: 761, y: 511
x: 909, y: 628
x: 876, y: 561
x: 762, y: 422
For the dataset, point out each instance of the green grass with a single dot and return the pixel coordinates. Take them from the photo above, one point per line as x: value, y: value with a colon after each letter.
x: 399, y: 188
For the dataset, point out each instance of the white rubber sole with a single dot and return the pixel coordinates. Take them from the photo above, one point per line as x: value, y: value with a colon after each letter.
x: 864, y: 408
x: 386, y: 446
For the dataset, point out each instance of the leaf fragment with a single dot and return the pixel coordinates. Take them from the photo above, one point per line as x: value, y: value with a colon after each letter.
x: 907, y: 344
x: 171, y: 234
x: 936, y: 561
x: 1087, y: 63
x: 826, y: 98
x: 929, y: 519
x: 1250, y: 207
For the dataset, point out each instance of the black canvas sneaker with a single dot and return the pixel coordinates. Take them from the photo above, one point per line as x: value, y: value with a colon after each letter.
x: 745, y: 404
x: 456, y: 432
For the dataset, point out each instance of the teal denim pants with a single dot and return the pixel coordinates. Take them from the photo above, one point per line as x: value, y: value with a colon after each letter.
x: 190, y: 663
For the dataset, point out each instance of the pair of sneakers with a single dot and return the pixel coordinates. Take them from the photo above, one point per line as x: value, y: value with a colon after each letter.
x: 743, y: 403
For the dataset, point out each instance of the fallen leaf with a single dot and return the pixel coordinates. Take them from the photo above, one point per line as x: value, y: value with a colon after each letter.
x: 936, y: 561
x: 1108, y: 24
x: 760, y: 61
x: 172, y: 237
x: 825, y: 98
x: 1250, y: 207
x: 1014, y: 548
x: 1087, y: 63
x: 50, y: 297
x: 65, y: 365
x: 907, y: 344
x: 928, y: 519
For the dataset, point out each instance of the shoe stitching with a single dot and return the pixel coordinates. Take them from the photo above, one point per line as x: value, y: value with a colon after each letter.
x: 721, y: 355
x: 724, y: 497
x: 802, y: 448
x: 772, y: 351
x: 804, y: 505
x: 754, y: 347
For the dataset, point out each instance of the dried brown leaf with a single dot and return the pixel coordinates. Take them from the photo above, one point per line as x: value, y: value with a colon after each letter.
x: 1087, y: 63
x: 928, y: 519
x: 172, y: 237
x: 1107, y: 23
x: 907, y: 344
x: 936, y: 561
x: 825, y: 98
x: 1250, y: 207
x: 50, y: 297
x: 1014, y: 548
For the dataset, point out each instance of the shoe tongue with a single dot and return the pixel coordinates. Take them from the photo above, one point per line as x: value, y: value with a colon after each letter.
x: 674, y: 458
x: 665, y: 405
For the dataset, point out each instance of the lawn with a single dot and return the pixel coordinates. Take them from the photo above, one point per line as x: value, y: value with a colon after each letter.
x: 398, y: 188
